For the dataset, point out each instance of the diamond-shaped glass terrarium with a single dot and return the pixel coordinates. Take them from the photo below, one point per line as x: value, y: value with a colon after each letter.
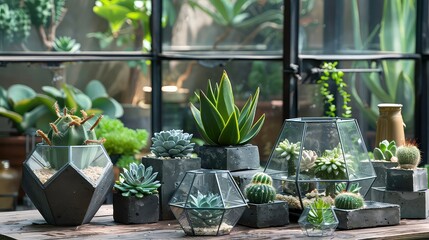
x: 68, y: 184
x: 317, y: 158
x: 318, y: 222
x: 207, y: 202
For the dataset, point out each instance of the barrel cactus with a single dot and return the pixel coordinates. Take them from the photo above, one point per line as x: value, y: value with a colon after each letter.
x: 137, y: 181
x: 348, y: 200
x: 408, y: 156
x: 261, y: 189
x: 172, y: 144
x: 206, y: 210
x: 385, y: 151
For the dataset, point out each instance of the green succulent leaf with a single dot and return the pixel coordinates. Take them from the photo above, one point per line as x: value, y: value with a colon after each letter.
x: 230, y: 134
x: 211, y: 118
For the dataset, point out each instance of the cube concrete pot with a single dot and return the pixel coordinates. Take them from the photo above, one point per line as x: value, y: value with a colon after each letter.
x: 264, y: 215
x: 406, y: 180
x: 170, y: 173
x: 374, y: 214
x: 380, y: 168
x: 132, y: 210
x: 232, y: 158
x: 412, y: 204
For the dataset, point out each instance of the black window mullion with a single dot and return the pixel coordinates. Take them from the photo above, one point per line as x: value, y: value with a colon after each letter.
x: 156, y: 66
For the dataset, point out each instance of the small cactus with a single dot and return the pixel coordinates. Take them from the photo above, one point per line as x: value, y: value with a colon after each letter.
x: 261, y: 189
x: 408, y: 156
x: 348, y: 200
x: 385, y: 151
x: 172, y: 143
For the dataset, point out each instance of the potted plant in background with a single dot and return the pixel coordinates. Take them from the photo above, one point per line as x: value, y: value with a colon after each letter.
x: 263, y: 210
x: 136, y: 197
x: 384, y: 158
x: 69, y: 175
x: 226, y: 129
x: 171, y: 157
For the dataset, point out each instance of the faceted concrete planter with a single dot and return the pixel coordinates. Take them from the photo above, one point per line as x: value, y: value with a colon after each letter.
x: 129, y: 210
x: 71, y: 193
x: 380, y: 168
x: 230, y: 158
x: 374, y: 214
x: 265, y: 215
x: 412, y: 204
x: 406, y: 180
x: 170, y: 173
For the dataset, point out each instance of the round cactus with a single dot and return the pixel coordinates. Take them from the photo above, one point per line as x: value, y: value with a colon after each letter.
x: 262, y: 178
x: 172, y: 143
x: 348, y: 200
x: 260, y: 193
x: 408, y: 156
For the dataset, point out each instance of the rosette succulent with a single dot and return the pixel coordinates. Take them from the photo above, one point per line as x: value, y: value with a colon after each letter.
x: 308, y: 160
x: 205, y: 210
x: 172, y: 144
x: 137, y: 181
x: 66, y: 44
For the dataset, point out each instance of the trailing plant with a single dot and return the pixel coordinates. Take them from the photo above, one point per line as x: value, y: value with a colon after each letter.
x: 408, y: 156
x: 320, y: 214
x: 137, y: 181
x: 290, y: 152
x: 172, y: 144
x: 219, y: 120
x: 385, y: 151
x: 261, y: 189
x: 348, y: 200
x: 330, y: 72
x: 66, y: 44
x: 205, y: 210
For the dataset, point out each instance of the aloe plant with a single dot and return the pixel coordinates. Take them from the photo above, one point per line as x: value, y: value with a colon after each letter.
x: 219, y: 120
x: 66, y: 44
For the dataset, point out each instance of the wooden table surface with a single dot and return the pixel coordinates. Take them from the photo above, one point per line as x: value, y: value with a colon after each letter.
x: 30, y: 225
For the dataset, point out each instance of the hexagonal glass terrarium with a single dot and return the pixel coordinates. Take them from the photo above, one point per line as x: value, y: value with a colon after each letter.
x: 68, y: 184
x: 207, y: 202
x: 317, y: 158
x: 318, y: 222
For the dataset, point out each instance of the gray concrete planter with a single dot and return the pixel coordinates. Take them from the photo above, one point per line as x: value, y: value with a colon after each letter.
x: 232, y: 158
x: 170, y: 173
x: 406, y: 180
x: 265, y: 215
x: 412, y: 204
x: 374, y: 214
x: 132, y: 210
x: 380, y: 168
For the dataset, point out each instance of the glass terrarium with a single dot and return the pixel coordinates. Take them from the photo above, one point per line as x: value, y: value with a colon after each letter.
x: 318, y: 158
x: 318, y: 222
x: 207, y: 202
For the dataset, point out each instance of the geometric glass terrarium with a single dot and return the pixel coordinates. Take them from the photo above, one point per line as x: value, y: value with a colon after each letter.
x: 68, y: 184
x: 207, y: 202
x: 318, y: 158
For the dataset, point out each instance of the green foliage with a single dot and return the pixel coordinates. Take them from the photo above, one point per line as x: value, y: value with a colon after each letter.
x: 268, y: 77
x: 219, y: 120
x: 125, y: 160
x: 331, y: 165
x: 348, y: 200
x: 385, y: 151
x: 66, y: 44
x: 342, y: 187
x: 408, y: 156
x: 137, y: 181
x: 121, y: 140
x: 289, y: 151
x: 320, y: 213
x: 206, y: 210
x: 330, y: 72
x: 172, y: 144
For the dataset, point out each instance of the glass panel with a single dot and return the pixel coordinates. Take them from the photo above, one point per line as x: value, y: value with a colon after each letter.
x: 214, y: 25
x: 229, y: 191
x: 45, y: 161
x: 92, y: 160
x: 181, y: 195
x: 180, y: 215
x: 230, y: 218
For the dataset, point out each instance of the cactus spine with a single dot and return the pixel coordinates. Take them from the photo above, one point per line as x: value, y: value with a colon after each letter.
x: 348, y: 200
x: 408, y: 156
x: 261, y: 189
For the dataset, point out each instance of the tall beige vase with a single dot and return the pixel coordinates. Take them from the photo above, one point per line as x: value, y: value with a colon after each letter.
x: 390, y: 125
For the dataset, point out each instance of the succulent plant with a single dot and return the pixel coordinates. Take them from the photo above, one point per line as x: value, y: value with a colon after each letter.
x: 260, y: 190
x: 331, y: 165
x: 308, y: 160
x: 342, y: 187
x: 205, y: 210
x: 320, y: 213
x: 408, y: 156
x: 137, y: 181
x: 66, y: 44
x: 219, y: 120
x: 290, y: 152
x: 348, y: 200
x: 172, y: 143
x: 385, y: 151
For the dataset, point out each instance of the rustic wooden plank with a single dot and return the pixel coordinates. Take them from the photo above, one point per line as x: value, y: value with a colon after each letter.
x: 30, y: 225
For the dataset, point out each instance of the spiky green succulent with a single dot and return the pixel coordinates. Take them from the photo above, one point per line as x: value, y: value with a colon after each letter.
x: 348, y: 200
x: 220, y: 121
x: 331, y: 165
x: 408, y: 156
x: 206, y: 210
x: 137, y: 181
x: 342, y: 187
x: 385, y: 151
x: 320, y: 213
x: 172, y: 143
x: 66, y: 44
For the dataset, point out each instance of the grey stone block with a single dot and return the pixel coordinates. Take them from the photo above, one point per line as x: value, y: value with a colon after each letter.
x: 380, y: 168
x: 170, y: 174
x: 406, y: 180
x: 265, y: 215
x: 373, y: 215
x: 132, y: 210
x: 243, y: 178
x: 232, y: 158
x: 412, y: 204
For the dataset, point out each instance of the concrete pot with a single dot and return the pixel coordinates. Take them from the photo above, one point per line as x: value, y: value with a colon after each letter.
x: 406, y: 180
x: 232, y: 158
x: 412, y: 204
x: 129, y: 210
x: 374, y: 214
x: 243, y: 178
x: 380, y: 168
x: 265, y: 215
x: 170, y: 173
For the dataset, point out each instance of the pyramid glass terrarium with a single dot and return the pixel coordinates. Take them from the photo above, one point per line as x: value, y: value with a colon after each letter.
x: 207, y: 202
x: 317, y: 158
